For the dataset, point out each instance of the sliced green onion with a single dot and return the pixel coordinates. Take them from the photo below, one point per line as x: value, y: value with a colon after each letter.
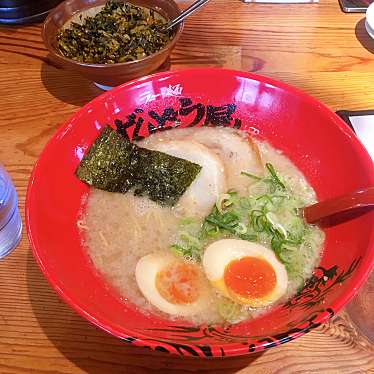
x: 250, y: 175
x: 274, y: 175
x: 220, y: 203
x: 241, y: 228
x: 272, y: 219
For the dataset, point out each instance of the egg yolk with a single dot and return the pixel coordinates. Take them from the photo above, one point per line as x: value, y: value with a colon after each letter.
x: 250, y: 277
x: 178, y: 283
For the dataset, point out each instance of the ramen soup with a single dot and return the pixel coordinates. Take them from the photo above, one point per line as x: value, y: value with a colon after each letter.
x: 232, y: 247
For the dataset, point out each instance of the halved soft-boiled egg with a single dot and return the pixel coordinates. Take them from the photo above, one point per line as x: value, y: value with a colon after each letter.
x: 246, y: 272
x: 172, y: 285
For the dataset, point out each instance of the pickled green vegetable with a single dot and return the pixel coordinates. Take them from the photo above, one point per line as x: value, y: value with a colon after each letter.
x: 120, y: 32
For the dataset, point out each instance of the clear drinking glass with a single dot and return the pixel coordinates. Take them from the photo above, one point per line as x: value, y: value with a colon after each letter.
x: 10, y: 220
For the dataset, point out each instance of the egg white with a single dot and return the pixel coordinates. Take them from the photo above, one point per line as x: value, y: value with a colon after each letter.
x: 146, y: 272
x: 220, y: 253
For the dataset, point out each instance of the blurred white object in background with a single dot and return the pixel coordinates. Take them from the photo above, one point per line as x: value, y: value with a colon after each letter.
x: 364, y: 128
x: 369, y: 23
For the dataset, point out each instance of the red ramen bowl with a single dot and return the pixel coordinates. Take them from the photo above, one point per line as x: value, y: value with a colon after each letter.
x: 315, y: 139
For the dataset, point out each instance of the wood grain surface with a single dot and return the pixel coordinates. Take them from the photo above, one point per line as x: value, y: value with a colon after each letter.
x: 315, y: 47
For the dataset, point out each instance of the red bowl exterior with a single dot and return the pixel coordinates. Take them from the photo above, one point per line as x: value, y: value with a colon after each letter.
x: 315, y: 139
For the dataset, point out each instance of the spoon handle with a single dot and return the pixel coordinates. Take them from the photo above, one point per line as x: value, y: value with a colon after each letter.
x: 196, y: 5
x: 357, y: 199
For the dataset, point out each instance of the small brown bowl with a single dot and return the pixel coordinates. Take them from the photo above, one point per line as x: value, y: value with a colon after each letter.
x: 108, y: 74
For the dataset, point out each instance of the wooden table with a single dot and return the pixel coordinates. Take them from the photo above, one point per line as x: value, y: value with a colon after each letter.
x: 315, y: 47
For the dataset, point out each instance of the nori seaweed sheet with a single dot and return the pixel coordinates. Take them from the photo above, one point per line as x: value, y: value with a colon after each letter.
x: 162, y: 177
x: 115, y: 164
x: 108, y: 163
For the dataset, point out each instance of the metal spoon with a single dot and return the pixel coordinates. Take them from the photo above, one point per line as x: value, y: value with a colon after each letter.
x: 361, y: 198
x: 196, y: 5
